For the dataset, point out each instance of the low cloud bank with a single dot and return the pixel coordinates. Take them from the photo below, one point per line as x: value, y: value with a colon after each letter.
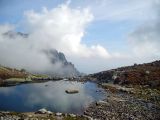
x: 60, y: 28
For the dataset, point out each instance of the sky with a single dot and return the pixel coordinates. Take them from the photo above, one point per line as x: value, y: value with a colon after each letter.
x: 95, y: 35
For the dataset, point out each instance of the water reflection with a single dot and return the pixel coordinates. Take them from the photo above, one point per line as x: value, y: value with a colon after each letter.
x: 50, y: 95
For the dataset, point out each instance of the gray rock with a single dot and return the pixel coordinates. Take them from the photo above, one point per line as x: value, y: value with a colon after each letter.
x: 58, y: 114
x: 100, y: 102
x: 88, y: 117
x: 49, y: 112
x: 1, y: 118
x: 29, y: 115
x: 70, y: 91
x: 42, y: 111
x: 72, y: 115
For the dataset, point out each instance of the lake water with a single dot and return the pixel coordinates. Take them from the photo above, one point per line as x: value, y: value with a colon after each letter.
x: 50, y: 95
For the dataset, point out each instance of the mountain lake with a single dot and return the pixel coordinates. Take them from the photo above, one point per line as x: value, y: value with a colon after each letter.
x: 50, y: 95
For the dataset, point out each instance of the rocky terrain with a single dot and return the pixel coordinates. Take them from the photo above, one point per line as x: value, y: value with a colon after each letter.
x: 126, y: 104
x: 138, y: 74
x: 41, y: 114
x: 133, y: 93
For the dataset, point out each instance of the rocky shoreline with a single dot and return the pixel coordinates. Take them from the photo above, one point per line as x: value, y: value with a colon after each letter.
x: 41, y: 116
x: 134, y: 93
x: 123, y: 106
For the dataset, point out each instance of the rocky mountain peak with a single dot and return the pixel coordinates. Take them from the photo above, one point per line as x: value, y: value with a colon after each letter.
x: 67, y: 69
x: 13, y: 34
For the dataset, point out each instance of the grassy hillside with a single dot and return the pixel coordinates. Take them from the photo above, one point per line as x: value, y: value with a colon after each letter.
x: 6, y: 73
x: 11, y: 76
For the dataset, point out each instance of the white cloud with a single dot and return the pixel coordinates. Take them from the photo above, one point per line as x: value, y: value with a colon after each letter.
x: 62, y: 28
x: 18, y: 52
x: 145, y: 39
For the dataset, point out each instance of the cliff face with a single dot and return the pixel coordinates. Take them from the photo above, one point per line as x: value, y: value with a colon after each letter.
x: 143, y: 74
x: 65, y: 68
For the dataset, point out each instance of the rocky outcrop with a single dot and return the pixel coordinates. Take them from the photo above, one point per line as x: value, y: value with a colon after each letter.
x: 142, y: 74
x: 65, y: 68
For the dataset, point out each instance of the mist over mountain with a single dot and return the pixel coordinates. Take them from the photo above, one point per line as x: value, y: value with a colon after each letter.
x: 13, y: 34
x: 57, y: 62
x: 58, y: 58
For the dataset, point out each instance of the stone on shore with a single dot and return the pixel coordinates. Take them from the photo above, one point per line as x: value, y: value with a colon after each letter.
x: 72, y: 115
x: 58, y: 114
x: 42, y: 111
x: 49, y: 112
x: 100, y: 102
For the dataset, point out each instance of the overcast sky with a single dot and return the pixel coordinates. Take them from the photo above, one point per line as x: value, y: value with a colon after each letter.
x: 94, y: 35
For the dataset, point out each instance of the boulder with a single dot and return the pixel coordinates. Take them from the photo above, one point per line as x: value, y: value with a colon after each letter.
x: 30, y: 116
x: 124, y: 89
x: 100, y: 102
x: 88, y: 117
x: 58, y: 114
x: 49, y: 112
x: 71, y: 91
x: 72, y: 115
x: 42, y: 111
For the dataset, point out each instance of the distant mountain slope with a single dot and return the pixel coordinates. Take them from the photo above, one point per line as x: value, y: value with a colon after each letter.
x: 12, y: 76
x: 6, y: 72
x: 144, y: 74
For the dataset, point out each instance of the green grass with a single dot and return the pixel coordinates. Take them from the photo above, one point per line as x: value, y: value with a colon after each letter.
x: 18, y: 80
